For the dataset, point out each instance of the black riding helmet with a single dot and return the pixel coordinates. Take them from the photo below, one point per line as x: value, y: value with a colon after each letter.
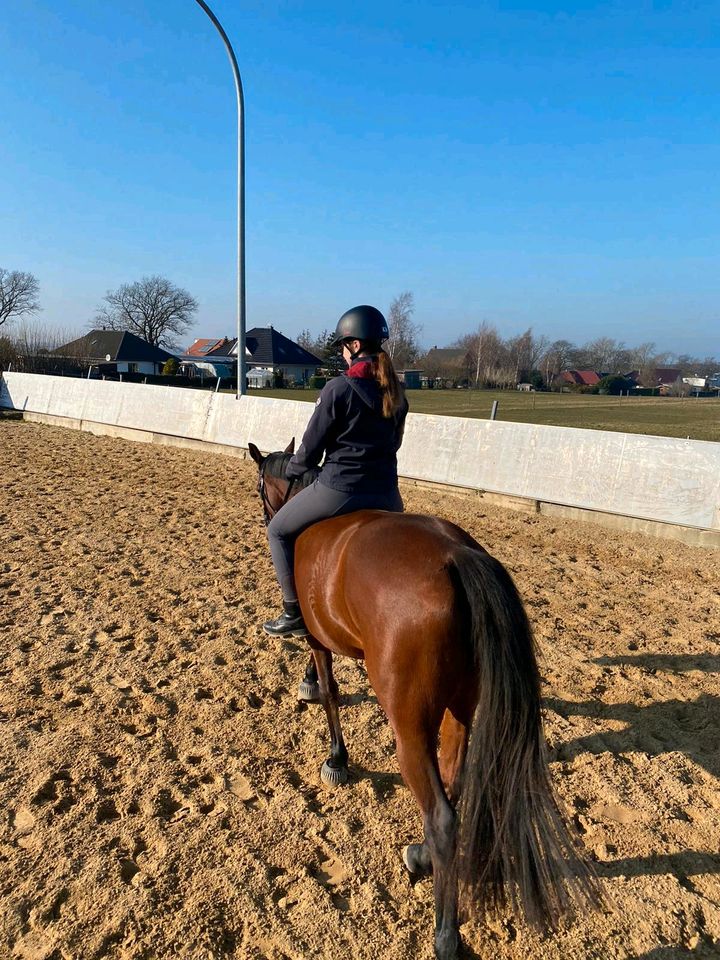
x: 361, y: 323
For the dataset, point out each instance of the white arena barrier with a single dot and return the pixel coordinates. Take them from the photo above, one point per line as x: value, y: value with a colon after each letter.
x: 659, y: 479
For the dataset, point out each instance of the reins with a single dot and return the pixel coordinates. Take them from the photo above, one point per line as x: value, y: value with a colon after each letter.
x: 267, y: 507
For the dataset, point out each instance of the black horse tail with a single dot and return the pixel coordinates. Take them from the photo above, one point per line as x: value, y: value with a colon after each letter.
x: 514, y: 848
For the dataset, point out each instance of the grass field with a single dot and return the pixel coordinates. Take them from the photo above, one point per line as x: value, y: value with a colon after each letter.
x: 698, y: 419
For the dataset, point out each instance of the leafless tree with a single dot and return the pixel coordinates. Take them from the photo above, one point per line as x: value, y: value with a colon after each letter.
x: 707, y: 366
x: 403, y: 345
x: 524, y: 352
x: 486, y: 356
x: 606, y: 355
x: 8, y: 353
x: 152, y: 308
x: 18, y: 294
x: 555, y: 359
x: 305, y: 340
x: 35, y: 345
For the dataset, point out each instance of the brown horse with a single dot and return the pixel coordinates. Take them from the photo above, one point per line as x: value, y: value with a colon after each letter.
x: 450, y: 654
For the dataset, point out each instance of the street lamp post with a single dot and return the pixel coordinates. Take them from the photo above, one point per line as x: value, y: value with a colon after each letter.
x: 240, y: 201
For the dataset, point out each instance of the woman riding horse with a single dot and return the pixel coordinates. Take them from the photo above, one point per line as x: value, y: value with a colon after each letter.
x: 358, y: 424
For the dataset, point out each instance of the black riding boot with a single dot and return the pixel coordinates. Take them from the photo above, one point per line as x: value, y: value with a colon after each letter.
x: 289, y: 622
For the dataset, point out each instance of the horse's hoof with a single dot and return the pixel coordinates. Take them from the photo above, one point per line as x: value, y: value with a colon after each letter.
x: 309, y: 691
x: 416, y: 864
x: 447, y: 945
x: 333, y: 776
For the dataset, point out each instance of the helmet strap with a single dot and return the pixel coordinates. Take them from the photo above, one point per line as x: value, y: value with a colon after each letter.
x: 369, y: 347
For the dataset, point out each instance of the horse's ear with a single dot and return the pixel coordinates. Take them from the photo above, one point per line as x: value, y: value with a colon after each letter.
x: 255, y: 454
x: 290, y: 448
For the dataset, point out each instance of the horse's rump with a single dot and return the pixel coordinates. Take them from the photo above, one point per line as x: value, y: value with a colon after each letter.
x: 364, y: 575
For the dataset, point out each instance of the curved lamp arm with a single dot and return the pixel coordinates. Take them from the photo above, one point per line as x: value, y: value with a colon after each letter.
x: 241, y: 365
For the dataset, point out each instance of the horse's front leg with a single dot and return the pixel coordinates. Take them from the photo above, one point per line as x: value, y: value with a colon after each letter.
x: 334, y: 771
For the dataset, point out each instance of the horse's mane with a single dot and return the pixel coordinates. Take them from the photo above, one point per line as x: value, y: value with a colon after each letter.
x: 276, y: 465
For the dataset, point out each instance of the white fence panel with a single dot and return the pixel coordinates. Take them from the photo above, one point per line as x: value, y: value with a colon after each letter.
x: 652, y: 478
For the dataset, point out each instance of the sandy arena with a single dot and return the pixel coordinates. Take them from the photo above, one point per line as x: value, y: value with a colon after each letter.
x: 160, y: 787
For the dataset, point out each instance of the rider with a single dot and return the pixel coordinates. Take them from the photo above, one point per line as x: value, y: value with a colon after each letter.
x: 358, y: 424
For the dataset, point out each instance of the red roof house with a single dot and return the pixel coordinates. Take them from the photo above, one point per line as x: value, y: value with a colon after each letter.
x: 580, y: 378
x: 203, y: 346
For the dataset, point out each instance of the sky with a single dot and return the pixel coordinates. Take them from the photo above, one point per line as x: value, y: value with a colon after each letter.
x: 541, y: 165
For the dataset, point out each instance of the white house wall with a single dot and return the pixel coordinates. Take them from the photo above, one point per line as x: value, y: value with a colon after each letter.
x: 654, y: 478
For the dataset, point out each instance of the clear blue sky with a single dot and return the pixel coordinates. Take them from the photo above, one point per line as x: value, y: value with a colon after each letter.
x: 522, y: 163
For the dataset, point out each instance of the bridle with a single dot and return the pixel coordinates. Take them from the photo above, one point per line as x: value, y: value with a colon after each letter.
x: 268, y: 511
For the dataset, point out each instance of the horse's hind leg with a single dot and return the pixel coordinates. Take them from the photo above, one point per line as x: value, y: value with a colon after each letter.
x: 451, y: 755
x: 334, y: 771
x: 453, y: 746
x: 419, y: 770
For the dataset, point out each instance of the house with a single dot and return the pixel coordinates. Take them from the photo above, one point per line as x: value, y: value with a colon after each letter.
x: 411, y: 379
x: 444, y: 366
x: 198, y: 348
x: 660, y: 378
x: 269, y: 356
x: 113, y: 351
x: 695, y: 383
x: 580, y: 378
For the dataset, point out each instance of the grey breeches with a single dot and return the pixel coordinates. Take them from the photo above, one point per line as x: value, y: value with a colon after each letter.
x: 316, y: 502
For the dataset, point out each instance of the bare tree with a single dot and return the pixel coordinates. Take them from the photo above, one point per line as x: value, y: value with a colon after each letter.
x: 555, y: 360
x: 18, y: 294
x: 402, y: 344
x: 152, y: 308
x: 8, y: 353
x: 524, y: 352
x: 305, y: 340
x: 485, y: 354
x: 35, y: 347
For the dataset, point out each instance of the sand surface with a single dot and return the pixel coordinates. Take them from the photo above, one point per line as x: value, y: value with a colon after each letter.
x: 159, y: 787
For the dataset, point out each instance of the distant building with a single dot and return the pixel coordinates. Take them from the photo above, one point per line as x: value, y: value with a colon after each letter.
x: 198, y: 348
x: 660, y: 379
x: 113, y: 351
x: 696, y: 383
x: 411, y: 379
x: 580, y: 378
x: 445, y: 366
x: 268, y: 354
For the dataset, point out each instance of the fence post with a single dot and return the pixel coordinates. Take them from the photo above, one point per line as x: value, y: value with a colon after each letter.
x: 493, y: 412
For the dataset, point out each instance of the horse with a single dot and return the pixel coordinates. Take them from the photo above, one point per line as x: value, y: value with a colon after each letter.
x: 450, y: 655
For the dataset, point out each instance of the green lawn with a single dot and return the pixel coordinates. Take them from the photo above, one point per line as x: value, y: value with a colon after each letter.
x: 659, y: 416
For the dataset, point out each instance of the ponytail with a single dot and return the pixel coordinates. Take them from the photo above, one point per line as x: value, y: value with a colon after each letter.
x: 390, y: 387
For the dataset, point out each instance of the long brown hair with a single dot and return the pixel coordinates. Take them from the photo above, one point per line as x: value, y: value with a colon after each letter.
x: 390, y: 386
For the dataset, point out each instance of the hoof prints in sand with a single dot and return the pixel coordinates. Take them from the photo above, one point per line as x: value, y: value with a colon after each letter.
x: 161, y: 790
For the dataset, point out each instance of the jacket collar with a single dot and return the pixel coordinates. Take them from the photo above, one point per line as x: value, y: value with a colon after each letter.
x: 362, y: 368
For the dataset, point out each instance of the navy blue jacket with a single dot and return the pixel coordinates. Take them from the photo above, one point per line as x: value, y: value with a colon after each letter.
x: 360, y: 445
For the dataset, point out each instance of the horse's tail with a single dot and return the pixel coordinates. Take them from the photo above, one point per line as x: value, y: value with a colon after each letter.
x: 513, y: 846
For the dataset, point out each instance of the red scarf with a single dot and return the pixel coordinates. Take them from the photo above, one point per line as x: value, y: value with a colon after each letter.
x: 363, y: 370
